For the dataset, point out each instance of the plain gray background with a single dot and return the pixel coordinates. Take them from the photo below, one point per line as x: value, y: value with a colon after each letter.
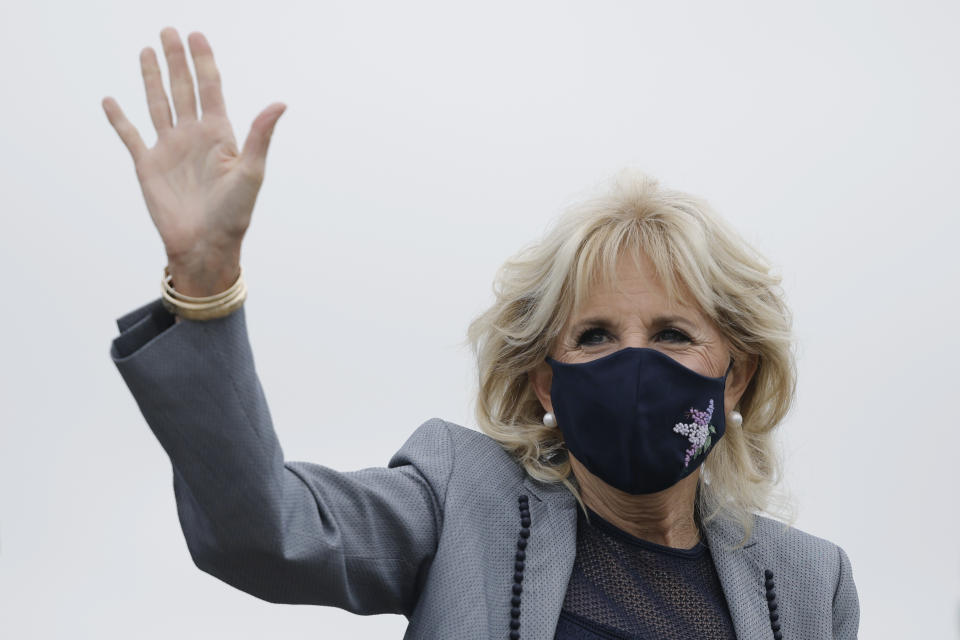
x: 423, y: 144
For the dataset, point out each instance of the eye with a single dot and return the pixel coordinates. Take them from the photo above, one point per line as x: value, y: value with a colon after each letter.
x: 678, y: 336
x: 592, y: 336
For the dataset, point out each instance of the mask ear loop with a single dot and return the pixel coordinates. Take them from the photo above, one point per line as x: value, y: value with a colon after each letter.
x: 729, y: 367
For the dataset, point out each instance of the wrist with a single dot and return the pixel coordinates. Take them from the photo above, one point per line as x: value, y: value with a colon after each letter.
x: 201, y: 284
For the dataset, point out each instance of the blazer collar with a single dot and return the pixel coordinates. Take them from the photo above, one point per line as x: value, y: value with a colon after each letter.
x: 553, y: 513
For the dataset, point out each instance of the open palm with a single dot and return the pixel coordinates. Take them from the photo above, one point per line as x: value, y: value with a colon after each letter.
x: 199, y: 188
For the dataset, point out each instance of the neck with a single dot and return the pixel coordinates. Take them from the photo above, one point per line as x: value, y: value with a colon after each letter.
x: 665, y: 517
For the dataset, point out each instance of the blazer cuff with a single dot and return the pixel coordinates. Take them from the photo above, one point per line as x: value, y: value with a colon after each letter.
x: 143, y: 324
x: 138, y: 327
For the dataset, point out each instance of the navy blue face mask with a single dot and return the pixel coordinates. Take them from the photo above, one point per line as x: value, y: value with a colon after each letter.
x: 638, y: 419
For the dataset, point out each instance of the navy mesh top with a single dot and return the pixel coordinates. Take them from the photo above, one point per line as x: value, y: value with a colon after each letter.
x: 626, y: 587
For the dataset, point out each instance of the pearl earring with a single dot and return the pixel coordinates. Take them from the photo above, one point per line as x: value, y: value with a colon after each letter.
x: 549, y: 420
x: 735, y: 418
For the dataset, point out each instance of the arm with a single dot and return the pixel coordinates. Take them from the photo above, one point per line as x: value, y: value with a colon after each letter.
x: 286, y: 532
x: 846, y: 604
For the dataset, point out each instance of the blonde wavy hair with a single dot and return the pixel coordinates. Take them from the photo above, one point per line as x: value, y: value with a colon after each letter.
x: 696, y: 256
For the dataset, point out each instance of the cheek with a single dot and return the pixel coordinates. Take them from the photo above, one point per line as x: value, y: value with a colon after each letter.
x: 704, y: 363
x: 565, y: 353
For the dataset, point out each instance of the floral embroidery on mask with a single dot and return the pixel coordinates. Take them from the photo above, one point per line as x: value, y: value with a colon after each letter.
x: 698, y: 432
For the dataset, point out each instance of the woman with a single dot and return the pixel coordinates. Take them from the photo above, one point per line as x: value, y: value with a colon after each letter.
x: 632, y: 369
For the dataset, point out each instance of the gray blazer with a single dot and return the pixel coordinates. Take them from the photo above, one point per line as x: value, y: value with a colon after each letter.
x: 433, y: 535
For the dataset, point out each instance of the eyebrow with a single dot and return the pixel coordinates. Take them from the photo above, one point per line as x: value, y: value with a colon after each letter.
x: 658, y: 321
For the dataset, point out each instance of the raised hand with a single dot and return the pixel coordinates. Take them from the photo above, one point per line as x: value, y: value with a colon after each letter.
x: 199, y: 189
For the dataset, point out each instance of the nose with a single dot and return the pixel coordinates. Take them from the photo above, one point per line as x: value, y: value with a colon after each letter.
x: 636, y: 339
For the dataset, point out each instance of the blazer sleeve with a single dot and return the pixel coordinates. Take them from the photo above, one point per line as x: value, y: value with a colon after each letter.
x: 846, y: 604
x: 283, y: 531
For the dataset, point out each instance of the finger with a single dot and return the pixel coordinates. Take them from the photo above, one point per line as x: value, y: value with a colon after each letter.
x: 258, y: 140
x: 128, y: 133
x: 157, y: 101
x: 208, y: 76
x: 181, y: 80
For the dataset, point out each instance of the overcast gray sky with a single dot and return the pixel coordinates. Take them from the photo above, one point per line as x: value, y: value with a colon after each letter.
x: 423, y: 144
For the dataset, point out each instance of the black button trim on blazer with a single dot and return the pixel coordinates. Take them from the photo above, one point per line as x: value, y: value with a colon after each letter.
x: 518, y: 566
x: 772, y: 604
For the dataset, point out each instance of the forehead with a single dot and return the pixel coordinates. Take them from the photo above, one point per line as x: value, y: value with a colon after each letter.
x: 632, y: 288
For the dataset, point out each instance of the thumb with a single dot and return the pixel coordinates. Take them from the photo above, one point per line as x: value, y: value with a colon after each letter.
x: 258, y: 140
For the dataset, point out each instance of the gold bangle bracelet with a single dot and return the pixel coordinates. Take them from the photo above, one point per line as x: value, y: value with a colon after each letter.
x: 168, y: 286
x: 203, y: 308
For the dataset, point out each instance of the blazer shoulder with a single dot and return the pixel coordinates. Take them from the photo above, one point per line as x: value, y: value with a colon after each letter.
x: 795, y: 552
x: 474, y: 454
x: 466, y: 439
x: 775, y: 534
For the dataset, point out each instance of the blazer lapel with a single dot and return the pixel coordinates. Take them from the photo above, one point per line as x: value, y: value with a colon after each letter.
x: 551, y: 549
x: 741, y: 577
